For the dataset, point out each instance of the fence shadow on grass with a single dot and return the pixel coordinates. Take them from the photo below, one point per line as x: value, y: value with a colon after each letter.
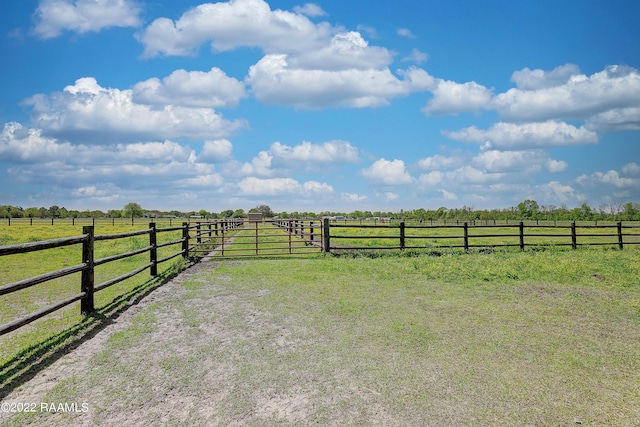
x: 30, y: 361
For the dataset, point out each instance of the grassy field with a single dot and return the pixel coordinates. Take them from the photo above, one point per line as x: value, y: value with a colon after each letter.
x: 32, y: 342
x: 423, y: 236
x: 546, y: 337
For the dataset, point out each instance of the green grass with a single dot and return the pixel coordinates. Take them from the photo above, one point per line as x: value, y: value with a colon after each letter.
x: 41, y: 338
x: 421, y: 236
x: 503, y: 338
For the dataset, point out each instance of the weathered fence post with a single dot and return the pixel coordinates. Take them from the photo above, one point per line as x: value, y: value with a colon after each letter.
x: 326, y: 239
x: 311, y: 232
x: 521, y: 235
x: 620, y: 245
x: 257, y: 239
x: 153, y: 253
x: 401, y: 235
x: 185, y: 240
x: 88, y: 276
x: 198, y: 237
x: 466, y: 236
x: 574, y: 243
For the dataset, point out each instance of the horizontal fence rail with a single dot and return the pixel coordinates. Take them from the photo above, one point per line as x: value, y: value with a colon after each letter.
x: 144, y: 221
x: 88, y: 287
x: 237, y: 237
x: 265, y: 237
x: 338, y: 236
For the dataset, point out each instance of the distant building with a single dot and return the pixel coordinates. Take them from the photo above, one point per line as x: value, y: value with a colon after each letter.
x: 256, y: 217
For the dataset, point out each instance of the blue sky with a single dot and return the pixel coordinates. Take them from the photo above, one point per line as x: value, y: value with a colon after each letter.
x: 332, y: 105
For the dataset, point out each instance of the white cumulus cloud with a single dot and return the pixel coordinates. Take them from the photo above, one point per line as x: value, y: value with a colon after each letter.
x: 450, y: 97
x: 387, y: 172
x: 416, y: 56
x: 275, y: 186
x: 405, y: 32
x: 615, y: 120
x: 346, y: 50
x: 527, y: 79
x: 274, y: 81
x: 20, y: 144
x: 192, y: 89
x: 82, y: 16
x: 216, y: 150
x: 110, y: 115
x: 580, y: 97
x: 310, y: 9
x: 353, y: 197
x: 232, y: 24
x: 514, y: 136
x: 307, y: 152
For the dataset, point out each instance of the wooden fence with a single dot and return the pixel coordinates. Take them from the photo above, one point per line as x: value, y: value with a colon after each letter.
x: 403, y: 236
x: 312, y: 236
x: 93, y: 221
x: 274, y: 237
x: 88, y: 288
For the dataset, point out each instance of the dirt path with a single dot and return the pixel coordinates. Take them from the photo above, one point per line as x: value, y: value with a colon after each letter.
x: 199, y: 350
x: 39, y: 394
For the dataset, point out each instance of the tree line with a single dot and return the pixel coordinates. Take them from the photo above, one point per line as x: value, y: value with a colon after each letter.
x: 525, y: 210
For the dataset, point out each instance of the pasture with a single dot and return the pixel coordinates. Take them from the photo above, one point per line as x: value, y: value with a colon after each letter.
x: 507, y: 338
x: 460, y: 234
x: 542, y: 336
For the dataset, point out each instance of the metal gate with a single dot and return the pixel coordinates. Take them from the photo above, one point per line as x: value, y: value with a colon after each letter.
x: 243, y: 238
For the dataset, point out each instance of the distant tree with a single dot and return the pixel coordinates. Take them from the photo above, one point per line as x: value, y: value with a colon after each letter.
x: 54, y: 211
x: 115, y: 213
x: 203, y: 213
x: 265, y: 210
x: 132, y: 210
x: 528, y: 209
x: 583, y: 213
x: 614, y: 207
x: 239, y: 213
x: 31, y: 212
x: 630, y: 212
x: 420, y: 214
x: 226, y: 213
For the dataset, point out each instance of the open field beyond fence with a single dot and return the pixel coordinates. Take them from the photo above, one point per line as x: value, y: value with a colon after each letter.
x: 357, y: 235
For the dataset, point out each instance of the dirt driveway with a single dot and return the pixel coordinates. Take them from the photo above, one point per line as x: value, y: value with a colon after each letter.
x: 179, y: 356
